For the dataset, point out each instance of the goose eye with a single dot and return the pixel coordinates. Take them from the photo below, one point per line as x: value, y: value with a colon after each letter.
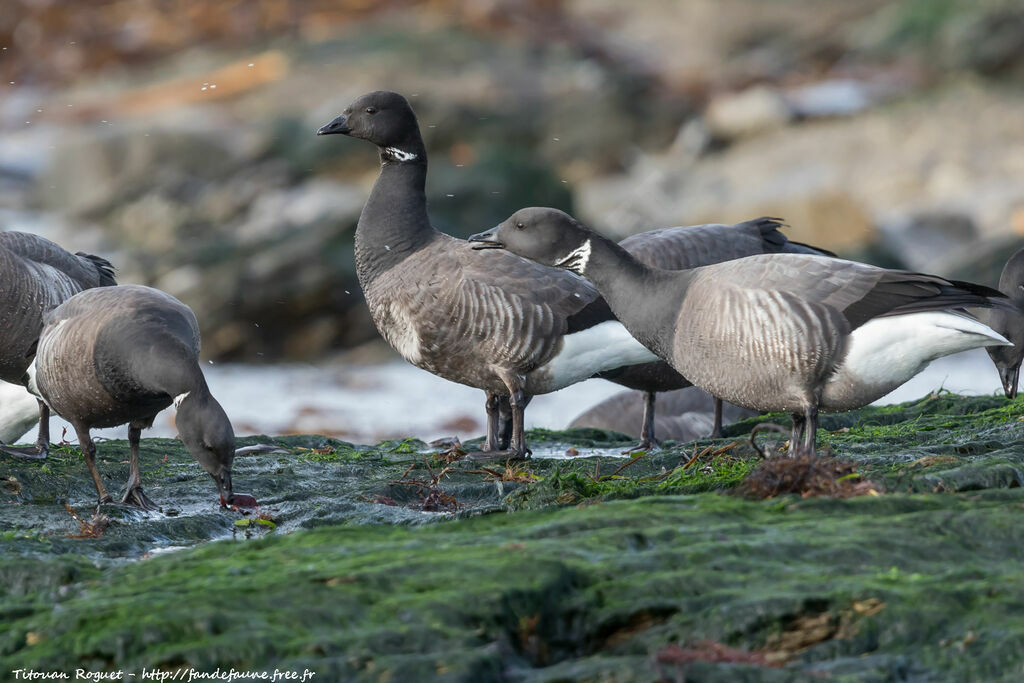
x: 371, y: 110
x: 520, y: 226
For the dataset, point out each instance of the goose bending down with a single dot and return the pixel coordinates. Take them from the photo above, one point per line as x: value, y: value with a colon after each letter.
x: 500, y: 323
x: 782, y: 332
x: 689, y: 247
x: 1009, y: 323
x: 119, y: 355
x: 35, y: 276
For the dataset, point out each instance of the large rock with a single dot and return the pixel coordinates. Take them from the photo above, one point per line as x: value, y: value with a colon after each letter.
x: 749, y: 112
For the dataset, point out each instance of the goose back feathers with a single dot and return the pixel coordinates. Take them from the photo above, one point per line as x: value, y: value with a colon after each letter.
x: 680, y: 248
x: 471, y: 319
x: 35, y: 276
x: 111, y: 356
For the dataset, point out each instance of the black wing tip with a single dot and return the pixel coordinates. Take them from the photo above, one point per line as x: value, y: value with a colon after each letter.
x: 811, y: 249
x: 104, y: 268
x: 980, y: 290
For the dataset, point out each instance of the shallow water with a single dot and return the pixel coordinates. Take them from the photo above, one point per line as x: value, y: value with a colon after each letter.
x: 370, y: 403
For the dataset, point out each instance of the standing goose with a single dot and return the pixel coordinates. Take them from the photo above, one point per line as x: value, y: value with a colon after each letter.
x: 689, y: 247
x: 500, y: 323
x: 35, y: 276
x: 1010, y: 324
x: 122, y: 354
x: 781, y: 332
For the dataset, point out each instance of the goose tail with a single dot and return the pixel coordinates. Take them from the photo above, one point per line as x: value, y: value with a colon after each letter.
x: 104, y: 268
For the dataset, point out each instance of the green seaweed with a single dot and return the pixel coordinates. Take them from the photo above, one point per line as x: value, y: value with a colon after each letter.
x: 597, y: 567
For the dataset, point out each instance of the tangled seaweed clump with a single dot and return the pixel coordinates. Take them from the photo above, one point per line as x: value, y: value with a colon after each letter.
x: 807, y: 476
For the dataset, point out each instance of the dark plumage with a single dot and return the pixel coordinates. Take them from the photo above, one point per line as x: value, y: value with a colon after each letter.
x: 689, y: 247
x: 35, y: 276
x: 1009, y: 323
x: 789, y: 332
x: 492, y: 321
x: 120, y: 355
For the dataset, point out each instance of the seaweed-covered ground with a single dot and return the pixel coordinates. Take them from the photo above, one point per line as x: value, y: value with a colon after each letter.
x: 406, y: 562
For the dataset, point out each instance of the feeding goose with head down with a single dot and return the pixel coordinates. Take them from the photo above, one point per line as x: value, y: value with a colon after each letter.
x: 1009, y: 323
x: 35, y: 276
x: 120, y: 355
x: 494, y: 321
x: 782, y: 332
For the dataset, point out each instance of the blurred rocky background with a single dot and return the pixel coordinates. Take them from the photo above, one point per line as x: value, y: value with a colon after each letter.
x: 175, y: 137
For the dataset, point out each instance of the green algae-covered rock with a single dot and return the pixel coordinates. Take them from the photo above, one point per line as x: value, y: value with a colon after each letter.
x: 401, y: 562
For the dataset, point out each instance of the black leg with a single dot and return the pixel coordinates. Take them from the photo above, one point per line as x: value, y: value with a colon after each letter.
x: 43, y: 439
x: 491, y: 406
x: 648, y: 442
x: 797, y: 435
x: 811, y: 431
x: 517, y: 400
x: 89, y: 453
x: 517, y: 446
x: 504, y: 422
x: 716, y: 430
x: 133, y: 493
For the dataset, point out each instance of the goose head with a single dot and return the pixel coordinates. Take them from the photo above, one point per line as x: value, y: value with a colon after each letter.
x: 547, y: 236
x: 205, y: 430
x: 383, y: 118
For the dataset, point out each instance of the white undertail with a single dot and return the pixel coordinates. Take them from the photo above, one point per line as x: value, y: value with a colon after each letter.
x: 18, y: 411
x: 886, y: 352
x: 596, y: 349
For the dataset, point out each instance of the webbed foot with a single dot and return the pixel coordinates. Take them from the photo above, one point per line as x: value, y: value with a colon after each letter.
x: 37, y: 452
x: 503, y: 455
x: 645, y: 445
x: 136, y: 497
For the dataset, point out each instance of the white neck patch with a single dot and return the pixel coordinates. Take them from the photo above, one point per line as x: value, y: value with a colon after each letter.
x: 398, y: 154
x: 577, y: 259
x: 179, y: 398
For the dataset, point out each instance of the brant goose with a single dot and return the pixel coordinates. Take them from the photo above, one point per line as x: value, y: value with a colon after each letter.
x: 1010, y: 324
x: 688, y: 247
x: 790, y: 332
x: 35, y: 276
x: 113, y: 355
x: 500, y: 323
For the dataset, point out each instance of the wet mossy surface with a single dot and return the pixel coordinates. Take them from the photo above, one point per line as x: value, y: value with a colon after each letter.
x: 389, y: 562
